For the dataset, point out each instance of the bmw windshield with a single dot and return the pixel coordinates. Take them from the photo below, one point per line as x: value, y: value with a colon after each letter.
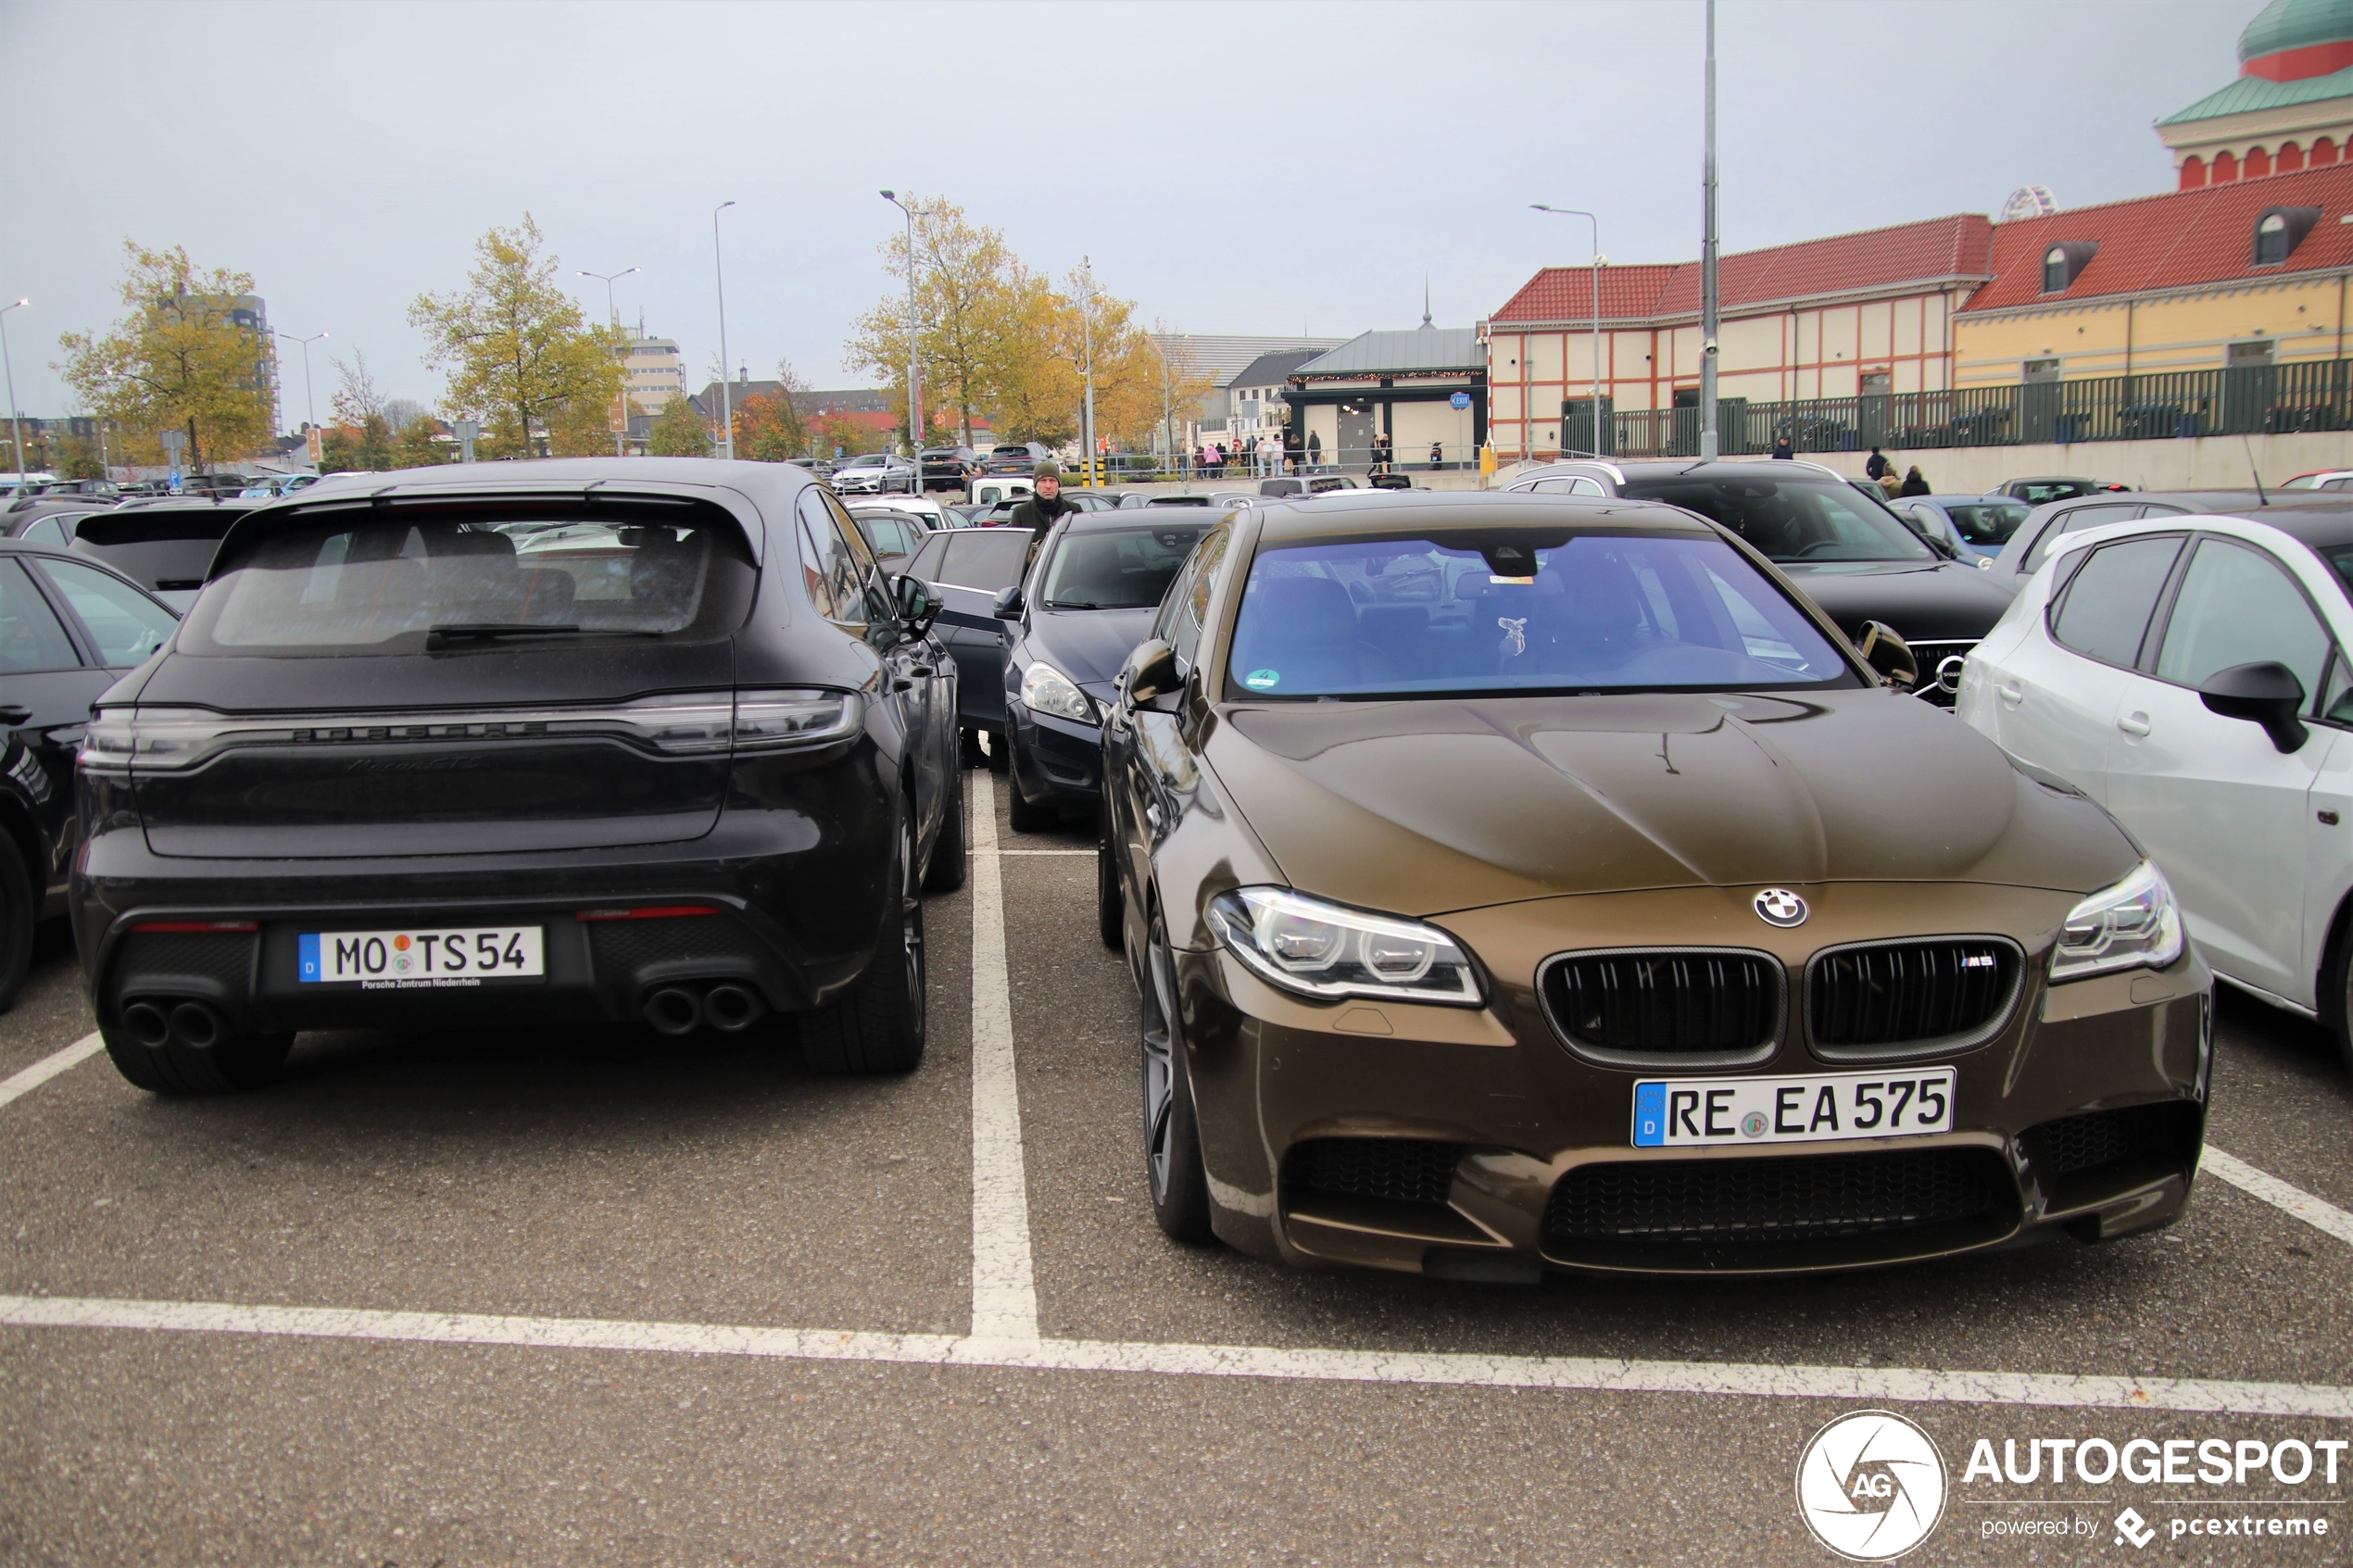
x: 1117, y: 568
x: 1598, y: 612
x: 1801, y: 521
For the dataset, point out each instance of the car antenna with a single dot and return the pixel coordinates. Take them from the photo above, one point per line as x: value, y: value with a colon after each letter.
x: 2260, y: 499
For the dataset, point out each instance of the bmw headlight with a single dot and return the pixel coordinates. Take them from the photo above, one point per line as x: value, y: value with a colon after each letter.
x: 1326, y: 951
x: 2132, y: 924
x: 1045, y: 689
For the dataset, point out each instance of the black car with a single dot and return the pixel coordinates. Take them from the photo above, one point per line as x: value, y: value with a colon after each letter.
x: 68, y: 630
x: 166, y: 547
x: 946, y: 468
x: 1848, y: 554
x: 1021, y: 458
x: 1087, y: 604
x: 967, y: 568
x: 591, y: 740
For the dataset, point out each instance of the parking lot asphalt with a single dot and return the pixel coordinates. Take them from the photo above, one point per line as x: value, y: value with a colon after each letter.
x: 556, y: 1298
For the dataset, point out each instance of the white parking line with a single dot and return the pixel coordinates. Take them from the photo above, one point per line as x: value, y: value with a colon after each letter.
x: 2318, y: 1213
x: 48, y: 1067
x: 1849, y: 1385
x: 1004, y: 1290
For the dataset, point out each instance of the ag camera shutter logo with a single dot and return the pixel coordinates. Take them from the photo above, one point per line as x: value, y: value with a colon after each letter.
x: 1870, y: 1485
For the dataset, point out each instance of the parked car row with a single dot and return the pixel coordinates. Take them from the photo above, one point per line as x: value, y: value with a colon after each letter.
x: 1512, y: 882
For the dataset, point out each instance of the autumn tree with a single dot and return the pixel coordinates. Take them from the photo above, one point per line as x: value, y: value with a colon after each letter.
x: 679, y: 431
x: 418, y: 448
x: 190, y: 356
x: 967, y: 316
x: 364, y: 440
x: 517, y: 348
x: 770, y: 427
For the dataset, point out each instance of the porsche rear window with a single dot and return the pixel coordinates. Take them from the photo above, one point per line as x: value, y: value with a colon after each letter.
x: 1600, y: 612
x: 389, y: 584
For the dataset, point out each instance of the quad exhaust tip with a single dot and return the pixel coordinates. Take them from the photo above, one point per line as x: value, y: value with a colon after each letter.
x: 148, y: 1024
x: 673, y: 1009
x: 729, y: 1007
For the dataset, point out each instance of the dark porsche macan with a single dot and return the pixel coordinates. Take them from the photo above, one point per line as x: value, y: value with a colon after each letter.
x: 1521, y: 882
x: 578, y: 741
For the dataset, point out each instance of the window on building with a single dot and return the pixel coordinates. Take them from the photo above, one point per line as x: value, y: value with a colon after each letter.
x: 2041, y: 371
x: 2065, y: 262
x: 2280, y: 230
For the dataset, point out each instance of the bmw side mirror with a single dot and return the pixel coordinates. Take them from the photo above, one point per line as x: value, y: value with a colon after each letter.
x: 1150, y: 672
x: 2265, y: 694
x: 1888, y: 655
x: 918, y: 605
x: 1007, y: 606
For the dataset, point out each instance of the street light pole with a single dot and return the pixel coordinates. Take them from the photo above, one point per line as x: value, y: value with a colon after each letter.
x: 726, y: 399
x: 1573, y: 212
x: 1086, y: 331
x: 309, y: 402
x: 620, y: 436
x: 15, y: 424
x: 914, y: 392
x: 1708, y: 446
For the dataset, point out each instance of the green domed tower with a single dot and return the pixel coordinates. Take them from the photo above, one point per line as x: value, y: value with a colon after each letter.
x: 2291, y: 108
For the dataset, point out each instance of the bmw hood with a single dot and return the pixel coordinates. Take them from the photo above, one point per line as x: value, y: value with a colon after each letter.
x: 1088, y: 646
x: 1432, y: 806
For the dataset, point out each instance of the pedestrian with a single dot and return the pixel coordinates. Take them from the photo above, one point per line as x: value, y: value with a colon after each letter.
x: 1380, y: 452
x: 1437, y: 453
x: 1222, y: 457
x: 1913, y: 484
x: 1889, y: 485
x: 1315, y: 450
x: 1878, y: 467
x: 1044, y: 506
x: 1783, y: 447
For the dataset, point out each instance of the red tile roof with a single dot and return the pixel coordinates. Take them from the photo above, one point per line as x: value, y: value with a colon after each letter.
x: 2179, y: 240
x: 1921, y: 253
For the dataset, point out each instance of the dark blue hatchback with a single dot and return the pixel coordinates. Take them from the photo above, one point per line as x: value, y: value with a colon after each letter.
x: 1088, y: 602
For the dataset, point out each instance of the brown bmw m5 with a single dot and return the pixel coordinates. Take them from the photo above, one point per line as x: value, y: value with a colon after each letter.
x: 1518, y: 882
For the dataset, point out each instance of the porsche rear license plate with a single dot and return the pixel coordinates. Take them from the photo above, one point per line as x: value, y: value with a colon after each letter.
x: 1698, y: 1112
x: 422, y: 958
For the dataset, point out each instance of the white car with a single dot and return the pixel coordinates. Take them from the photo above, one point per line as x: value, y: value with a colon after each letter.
x: 2190, y: 674
x: 873, y: 474
x: 934, y: 516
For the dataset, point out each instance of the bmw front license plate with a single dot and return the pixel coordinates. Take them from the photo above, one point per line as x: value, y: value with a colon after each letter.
x: 420, y: 960
x: 1703, y: 1112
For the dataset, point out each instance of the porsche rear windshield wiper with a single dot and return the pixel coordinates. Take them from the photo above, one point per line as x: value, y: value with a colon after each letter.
x: 479, y: 630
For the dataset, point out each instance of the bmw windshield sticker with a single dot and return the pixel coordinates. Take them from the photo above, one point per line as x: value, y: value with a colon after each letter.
x: 1260, y: 680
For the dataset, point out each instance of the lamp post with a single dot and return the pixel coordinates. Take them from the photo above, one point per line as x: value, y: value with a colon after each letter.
x: 15, y: 425
x: 1709, y: 445
x: 914, y: 392
x: 1086, y: 335
x: 1574, y: 212
x: 310, y: 402
x: 726, y: 401
x: 620, y: 436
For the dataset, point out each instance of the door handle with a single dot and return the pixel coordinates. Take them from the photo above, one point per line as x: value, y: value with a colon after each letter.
x: 901, y: 684
x: 2011, y: 695
x: 2134, y: 723
x: 919, y: 669
x: 12, y: 715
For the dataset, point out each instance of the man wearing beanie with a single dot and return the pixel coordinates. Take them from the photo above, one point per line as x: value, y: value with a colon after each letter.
x: 1042, y: 511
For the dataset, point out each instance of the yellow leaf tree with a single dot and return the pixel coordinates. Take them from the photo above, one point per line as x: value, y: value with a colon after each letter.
x: 679, y: 431
x: 520, y: 356
x: 191, y: 356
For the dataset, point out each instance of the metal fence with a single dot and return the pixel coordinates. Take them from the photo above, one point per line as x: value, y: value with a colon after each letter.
x: 2247, y: 400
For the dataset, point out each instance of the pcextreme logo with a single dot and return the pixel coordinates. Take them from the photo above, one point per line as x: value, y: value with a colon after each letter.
x: 1870, y: 1485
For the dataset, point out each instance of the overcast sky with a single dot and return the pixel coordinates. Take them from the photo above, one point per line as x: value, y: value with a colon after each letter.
x: 1259, y: 168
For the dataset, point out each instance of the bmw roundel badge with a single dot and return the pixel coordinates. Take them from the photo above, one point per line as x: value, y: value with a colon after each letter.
x: 1779, y: 906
